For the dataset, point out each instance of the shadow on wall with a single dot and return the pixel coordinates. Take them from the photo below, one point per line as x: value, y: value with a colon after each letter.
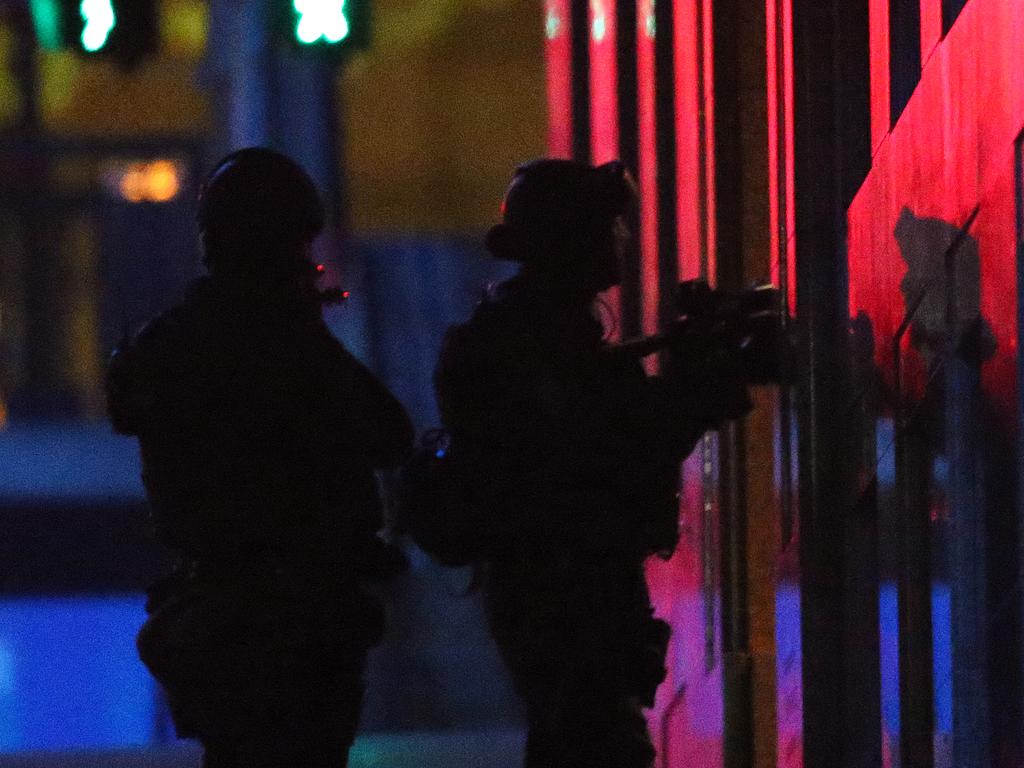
x: 960, y: 455
x: 940, y: 257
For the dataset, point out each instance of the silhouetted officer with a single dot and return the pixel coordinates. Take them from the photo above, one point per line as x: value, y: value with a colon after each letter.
x: 574, y: 455
x: 260, y: 435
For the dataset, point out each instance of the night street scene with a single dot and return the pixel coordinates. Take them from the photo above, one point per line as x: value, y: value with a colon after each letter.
x: 500, y: 383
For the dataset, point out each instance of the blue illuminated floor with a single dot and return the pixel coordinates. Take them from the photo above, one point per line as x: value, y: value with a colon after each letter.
x: 73, y: 694
x: 69, y: 674
x: 452, y: 749
x: 71, y: 683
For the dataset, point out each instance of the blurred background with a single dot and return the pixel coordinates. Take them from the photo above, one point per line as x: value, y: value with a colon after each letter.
x: 410, y: 122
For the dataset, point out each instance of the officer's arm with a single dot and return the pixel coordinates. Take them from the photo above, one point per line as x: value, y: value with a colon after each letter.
x: 700, y: 387
x: 121, y: 393
x: 380, y: 418
x: 359, y: 412
x: 133, y: 376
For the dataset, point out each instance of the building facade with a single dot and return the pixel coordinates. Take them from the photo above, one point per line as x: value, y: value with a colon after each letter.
x: 847, y: 587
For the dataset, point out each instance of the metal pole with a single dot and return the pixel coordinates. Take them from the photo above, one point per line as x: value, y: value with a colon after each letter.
x: 914, y: 579
x: 46, y: 393
x: 969, y: 574
x: 626, y: 86
x: 737, y: 672
x: 827, y: 476
x: 580, y: 30
x: 740, y: 191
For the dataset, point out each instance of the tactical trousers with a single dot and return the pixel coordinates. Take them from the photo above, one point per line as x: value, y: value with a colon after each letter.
x: 585, y: 655
x: 581, y: 722
x: 262, y: 678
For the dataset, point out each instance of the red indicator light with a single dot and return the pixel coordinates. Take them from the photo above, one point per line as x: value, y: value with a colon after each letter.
x: 320, y: 268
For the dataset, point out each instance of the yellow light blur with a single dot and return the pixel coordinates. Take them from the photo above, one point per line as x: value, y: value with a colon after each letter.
x: 158, y: 181
x: 184, y: 25
x: 11, y: 100
x: 133, y: 186
x: 162, y: 180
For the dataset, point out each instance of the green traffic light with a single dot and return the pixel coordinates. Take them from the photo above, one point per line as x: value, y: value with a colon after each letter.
x: 321, y: 20
x: 99, y: 21
x: 46, y: 15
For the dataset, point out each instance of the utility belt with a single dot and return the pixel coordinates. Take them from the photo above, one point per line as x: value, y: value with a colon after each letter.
x: 280, y: 572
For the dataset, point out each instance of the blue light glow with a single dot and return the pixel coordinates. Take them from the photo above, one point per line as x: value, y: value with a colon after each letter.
x: 69, y: 674
x: 942, y: 658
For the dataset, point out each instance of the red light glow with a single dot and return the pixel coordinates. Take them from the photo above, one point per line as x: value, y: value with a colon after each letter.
x: 878, y: 32
x: 782, y: 208
x: 604, y: 105
x: 694, y: 105
x: 558, y: 50
x: 648, y: 167
x: 604, y: 123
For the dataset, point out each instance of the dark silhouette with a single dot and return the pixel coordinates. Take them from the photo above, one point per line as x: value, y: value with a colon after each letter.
x: 569, y: 456
x: 260, y: 435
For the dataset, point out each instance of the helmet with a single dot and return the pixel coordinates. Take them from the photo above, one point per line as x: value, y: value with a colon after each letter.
x: 261, y: 192
x: 550, y: 203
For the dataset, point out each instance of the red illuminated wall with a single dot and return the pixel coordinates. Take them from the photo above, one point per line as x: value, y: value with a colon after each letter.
x: 604, y: 121
x: 647, y: 171
x: 931, y: 27
x: 695, y: 121
x: 688, y: 717
x: 879, y: 41
x: 782, y: 208
x: 951, y: 151
x: 604, y: 107
x: 558, y: 50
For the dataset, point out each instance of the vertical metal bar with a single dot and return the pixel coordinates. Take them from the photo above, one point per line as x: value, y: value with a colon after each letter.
x: 862, y: 576
x: 704, y: 157
x: 737, y: 666
x: 969, y: 575
x: 711, y: 501
x: 830, y: 63
x: 821, y: 307
x: 46, y: 392
x: 665, y: 142
x: 727, y: 30
x: 1019, y: 217
x: 580, y: 30
x: 785, y: 399
x: 708, y: 561
x: 861, y: 545
x: 914, y: 582
x: 626, y: 81
x: 630, y: 302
